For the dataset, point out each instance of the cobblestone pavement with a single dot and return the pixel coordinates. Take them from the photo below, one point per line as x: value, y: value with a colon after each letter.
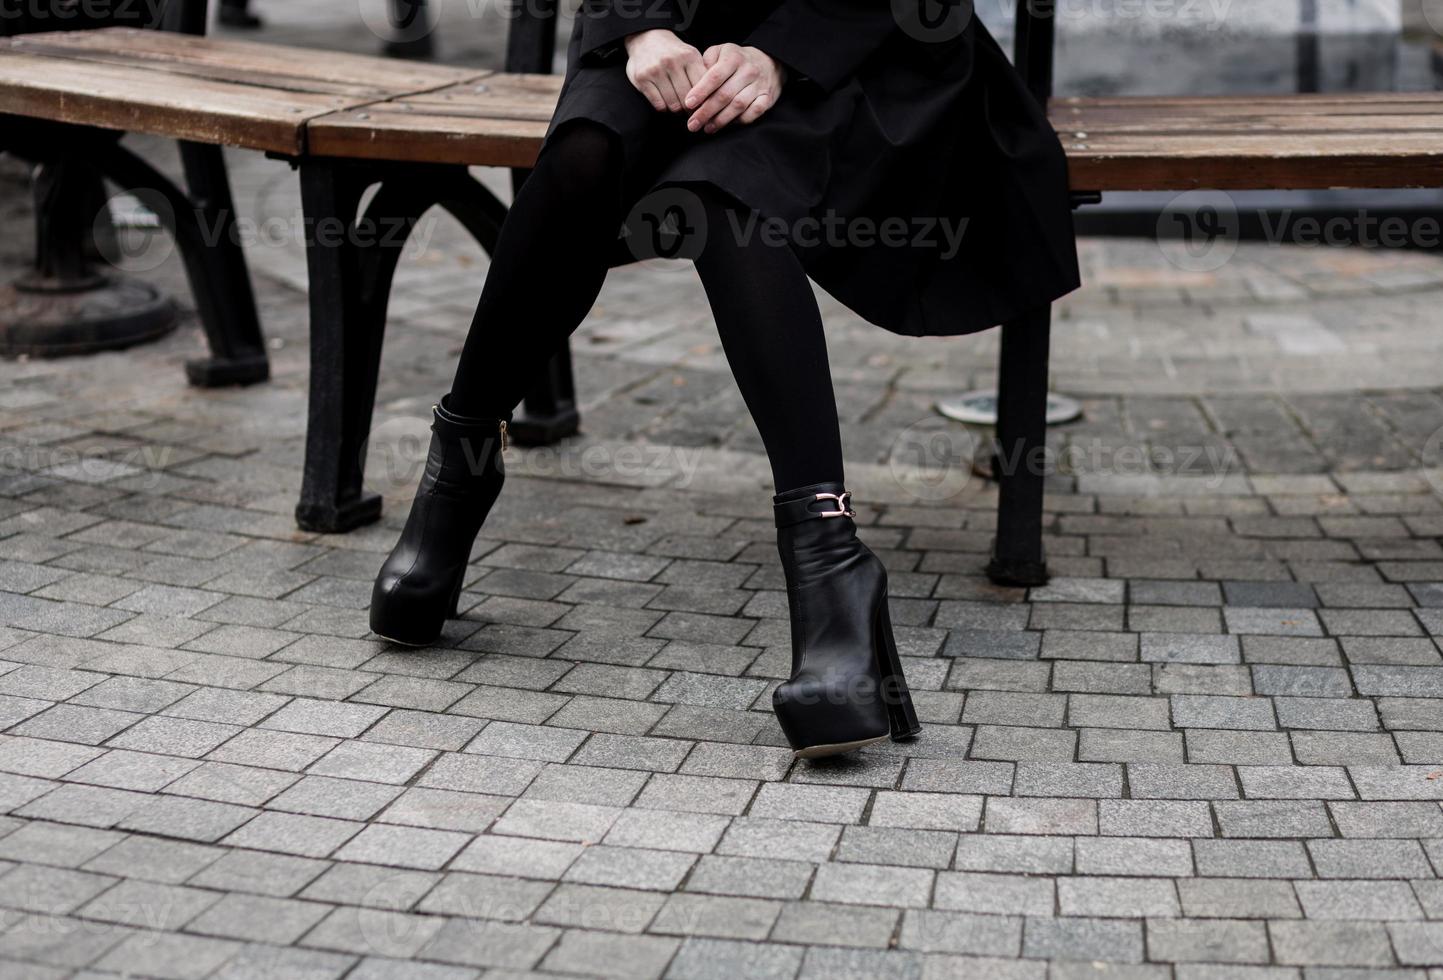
x: 1211, y: 748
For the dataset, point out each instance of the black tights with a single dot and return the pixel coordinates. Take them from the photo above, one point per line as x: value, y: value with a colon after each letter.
x: 549, y: 266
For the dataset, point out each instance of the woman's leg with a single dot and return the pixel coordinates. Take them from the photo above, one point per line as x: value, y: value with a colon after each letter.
x: 771, y: 330
x: 546, y: 271
x: 548, y: 266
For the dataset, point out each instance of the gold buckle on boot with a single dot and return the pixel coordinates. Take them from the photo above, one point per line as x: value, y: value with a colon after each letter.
x: 843, y: 504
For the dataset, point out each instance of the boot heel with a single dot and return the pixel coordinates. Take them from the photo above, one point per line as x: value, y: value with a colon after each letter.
x: 455, y: 606
x: 901, y: 716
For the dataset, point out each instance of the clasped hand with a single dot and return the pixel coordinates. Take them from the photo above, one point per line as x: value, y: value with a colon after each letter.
x: 725, y: 83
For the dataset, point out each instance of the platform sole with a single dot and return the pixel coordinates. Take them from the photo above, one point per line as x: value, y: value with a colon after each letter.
x: 836, y: 748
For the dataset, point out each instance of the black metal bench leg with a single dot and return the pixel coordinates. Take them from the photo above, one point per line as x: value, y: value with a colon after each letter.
x: 548, y: 413
x: 219, y: 278
x: 1017, y: 557
x: 345, y: 352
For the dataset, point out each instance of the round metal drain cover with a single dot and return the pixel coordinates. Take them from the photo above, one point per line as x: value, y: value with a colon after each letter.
x: 980, y: 408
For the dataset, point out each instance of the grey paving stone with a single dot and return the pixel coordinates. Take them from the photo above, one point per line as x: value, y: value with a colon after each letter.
x: 205, y: 821
x: 611, y: 955
x: 586, y: 784
x: 824, y: 924
x: 259, y: 919
x: 1189, y: 648
x: 1333, y: 714
x: 933, y: 811
x: 716, y: 959
x: 899, y: 846
x: 1182, y: 782
x: 1295, y: 783
x: 376, y: 932
x: 1331, y: 943
x: 1224, y: 858
x: 1352, y: 900
x: 1142, y: 856
x: 869, y: 884
x: 750, y: 877
x: 734, y: 761
x: 348, y: 799
x: 1041, y: 816
x: 474, y: 896
x: 1228, y: 747
x: 1341, y: 748
x: 1202, y: 711
x: 1068, y: 779
x: 594, y: 907
x: 1416, y: 943
x: 1089, y: 645
x: 1118, y: 711
x: 1155, y: 818
x: 1272, y: 621
x: 295, y: 834
x: 1267, y: 818
x: 1005, y: 894
x: 1081, y: 938
x: 1005, y: 708
x: 762, y: 837
x: 168, y: 955
x: 424, y: 729
x: 1387, y: 820
x: 581, y: 822
x: 1014, y: 854
x: 1369, y: 859
x: 1211, y: 941
x: 1017, y: 743
x: 228, y: 783
x: 937, y: 775
x: 1237, y: 898
x: 153, y: 859
x: 822, y: 961
x: 370, y: 886
x: 828, y: 804
x: 259, y: 873
x: 665, y: 830
x: 957, y: 932
x: 1117, y: 897
x: 712, y: 915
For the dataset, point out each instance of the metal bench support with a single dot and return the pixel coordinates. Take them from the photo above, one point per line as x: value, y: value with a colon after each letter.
x: 219, y: 277
x: 1017, y: 556
x: 214, y: 262
x: 351, y: 256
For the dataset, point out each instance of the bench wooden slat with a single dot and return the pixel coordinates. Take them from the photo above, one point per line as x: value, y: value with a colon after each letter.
x: 1241, y: 143
x: 499, y: 119
x: 237, y: 93
x: 268, y: 65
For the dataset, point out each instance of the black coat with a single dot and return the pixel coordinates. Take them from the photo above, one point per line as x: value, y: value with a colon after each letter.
x: 913, y: 173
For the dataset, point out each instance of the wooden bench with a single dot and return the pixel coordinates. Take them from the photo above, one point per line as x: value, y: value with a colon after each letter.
x: 348, y: 122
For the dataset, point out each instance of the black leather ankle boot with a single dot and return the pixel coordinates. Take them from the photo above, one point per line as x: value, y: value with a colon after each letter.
x: 847, y: 688
x: 420, y: 583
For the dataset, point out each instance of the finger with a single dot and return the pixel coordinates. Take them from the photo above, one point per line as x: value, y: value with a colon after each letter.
x: 739, y: 104
x: 718, y: 101
x: 652, y: 93
x: 757, y: 109
x: 695, y: 69
x: 666, y: 85
x: 683, y: 76
x: 714, y: 78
